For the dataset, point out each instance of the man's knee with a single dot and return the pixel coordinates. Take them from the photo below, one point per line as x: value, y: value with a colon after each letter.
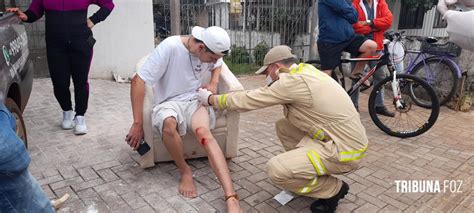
x: 203, y: 135
x: 369, y: 46
x: 276, y: 171
x: 169, y: 126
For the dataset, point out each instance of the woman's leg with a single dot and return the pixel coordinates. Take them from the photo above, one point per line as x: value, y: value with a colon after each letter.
x: 59, y: 70
x: 80, y: 56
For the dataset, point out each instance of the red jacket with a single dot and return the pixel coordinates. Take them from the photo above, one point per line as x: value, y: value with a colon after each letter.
x: 381, y: 22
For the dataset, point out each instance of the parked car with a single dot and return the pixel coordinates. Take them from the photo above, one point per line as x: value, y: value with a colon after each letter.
x: 16, y: 69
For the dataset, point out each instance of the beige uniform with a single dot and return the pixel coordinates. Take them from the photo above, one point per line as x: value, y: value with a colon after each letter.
x: 321, y: 132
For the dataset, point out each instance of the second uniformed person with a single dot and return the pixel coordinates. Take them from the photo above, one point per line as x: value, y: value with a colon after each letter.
x: 321, y: 130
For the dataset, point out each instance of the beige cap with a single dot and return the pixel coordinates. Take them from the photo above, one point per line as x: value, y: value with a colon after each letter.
x: 275, y: 54
x: 215, y: 38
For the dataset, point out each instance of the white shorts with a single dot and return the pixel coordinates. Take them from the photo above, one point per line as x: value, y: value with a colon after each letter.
x: 182, y: 111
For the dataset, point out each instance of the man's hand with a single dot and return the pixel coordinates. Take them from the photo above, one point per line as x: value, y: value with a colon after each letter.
x: 211, y: 87
x: 363, y: 23
x: 203, y: 96
x: 90, y: 24
x: 134, y: 136
x: 18, y: 13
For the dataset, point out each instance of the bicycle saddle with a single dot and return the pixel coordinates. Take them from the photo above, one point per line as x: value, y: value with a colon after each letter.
x: 430, y: 40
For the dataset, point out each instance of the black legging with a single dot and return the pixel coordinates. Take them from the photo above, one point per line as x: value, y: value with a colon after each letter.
x: 68, y: 58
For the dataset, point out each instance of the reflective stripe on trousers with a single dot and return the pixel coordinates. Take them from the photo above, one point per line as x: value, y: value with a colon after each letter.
x: 352, y: 155
x: 317, y: 163
x: 311, y: 185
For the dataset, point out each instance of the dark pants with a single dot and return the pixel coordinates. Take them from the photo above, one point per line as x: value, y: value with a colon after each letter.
x: 66, y: 59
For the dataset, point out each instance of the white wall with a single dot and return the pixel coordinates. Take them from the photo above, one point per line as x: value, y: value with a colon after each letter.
x: 123, y: 38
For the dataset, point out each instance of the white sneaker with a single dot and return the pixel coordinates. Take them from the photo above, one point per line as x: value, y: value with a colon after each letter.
x: 68, y: 120
x: 81, y: 127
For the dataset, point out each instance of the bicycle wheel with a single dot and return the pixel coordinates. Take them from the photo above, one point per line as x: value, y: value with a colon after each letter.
x: 441, y: 75
x: 410, y: 118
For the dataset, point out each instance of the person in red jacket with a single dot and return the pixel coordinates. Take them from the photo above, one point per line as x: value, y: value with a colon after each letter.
x: 373, y: 20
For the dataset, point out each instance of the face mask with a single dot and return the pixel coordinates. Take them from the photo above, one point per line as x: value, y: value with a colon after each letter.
x: 268, y: 80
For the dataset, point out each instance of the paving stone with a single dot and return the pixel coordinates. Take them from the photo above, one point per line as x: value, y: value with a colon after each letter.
x: 300, y: 203
x: 50, y: 179
x: 72, y: 206
x: 68, y: 172
x: 107, y: 175
x: 106, y: 165
x: 257, y: 177
x: 257, y: 198
x: 87, y: 184
x: 180, y: 204
x: 66, y: 182
x: 98, y: 169
x: 87, y: 173
x: 201, y: 205
x: 48, y: 192
x: 206, y: 181
x: 373, y: 200
x: 367, y: 208
x: 263, y: 207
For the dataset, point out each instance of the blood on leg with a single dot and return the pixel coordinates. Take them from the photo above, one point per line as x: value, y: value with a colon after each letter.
x: 201, y: 134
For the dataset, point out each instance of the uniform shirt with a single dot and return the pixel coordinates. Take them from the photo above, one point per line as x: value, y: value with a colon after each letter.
x: 173, y: 72
x: 312, y: 101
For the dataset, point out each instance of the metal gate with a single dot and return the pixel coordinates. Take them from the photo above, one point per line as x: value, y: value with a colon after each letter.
x: 254, y: 26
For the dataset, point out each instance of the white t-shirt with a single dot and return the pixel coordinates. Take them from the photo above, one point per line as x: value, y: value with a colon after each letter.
x: 173, y: 72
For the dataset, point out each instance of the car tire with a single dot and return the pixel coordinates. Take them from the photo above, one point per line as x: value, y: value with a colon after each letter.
x: 20, y: 123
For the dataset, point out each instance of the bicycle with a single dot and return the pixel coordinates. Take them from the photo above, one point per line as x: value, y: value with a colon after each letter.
x: 409, y: 95
x: 434, y: 63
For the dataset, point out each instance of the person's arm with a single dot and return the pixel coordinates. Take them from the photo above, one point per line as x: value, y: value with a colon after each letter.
x: 343, y: 8
x: 212, y: 85
x: 361, y: 27
x: 13, y: 155
x: 137, y: 95
x: 106, y: 7
x: 149, y: 73
x: 284, y: 91
x: 34, y: 12
x: 383, y: 22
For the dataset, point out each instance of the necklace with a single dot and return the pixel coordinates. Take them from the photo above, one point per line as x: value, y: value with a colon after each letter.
x: 196, y: 70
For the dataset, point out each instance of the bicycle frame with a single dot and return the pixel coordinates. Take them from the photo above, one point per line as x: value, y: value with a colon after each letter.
x: 382, y: 61
x: 424, y: 57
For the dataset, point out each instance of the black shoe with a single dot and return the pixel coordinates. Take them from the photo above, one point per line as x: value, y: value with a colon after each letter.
x: 384, y: 111
x: 329, y: 205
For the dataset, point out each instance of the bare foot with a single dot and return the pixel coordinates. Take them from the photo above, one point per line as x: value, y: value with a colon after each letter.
x: 233, y: 206
x: 186, y: 185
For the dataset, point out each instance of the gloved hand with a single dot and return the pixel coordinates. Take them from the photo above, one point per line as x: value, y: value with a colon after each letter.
x: 203, y: 96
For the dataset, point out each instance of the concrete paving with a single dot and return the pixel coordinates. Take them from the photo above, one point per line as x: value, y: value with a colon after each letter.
x: 98, y: 172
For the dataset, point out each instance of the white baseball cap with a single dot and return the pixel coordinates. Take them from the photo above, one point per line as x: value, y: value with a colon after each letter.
x: 215, y: 38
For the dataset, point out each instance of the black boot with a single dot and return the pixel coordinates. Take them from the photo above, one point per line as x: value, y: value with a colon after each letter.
x: 384, y: 111
x: 329, y: 205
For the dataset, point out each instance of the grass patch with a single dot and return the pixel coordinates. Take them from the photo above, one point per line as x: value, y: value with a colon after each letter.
x: 242, y: 69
